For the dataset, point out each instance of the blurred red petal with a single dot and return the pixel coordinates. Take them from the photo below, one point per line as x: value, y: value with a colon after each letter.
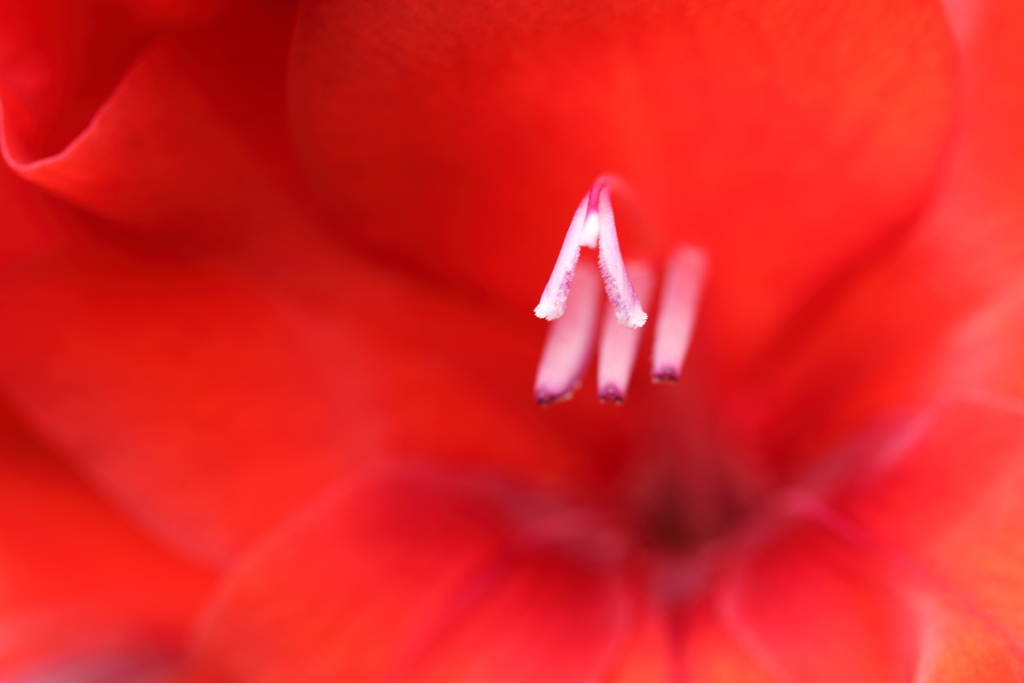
x: 63, y: 544
x: 549, y: 620
x: 811, y: 609
x: 80, y: 586
x: 685, y: 642
x: 961, y: 648
x: 69, y: 648
x: 650, y: 654
x: 186, y: 373
x: 178, y: 391
x: 950, y: 505
x: 713, y: 654
x: 413, y: 578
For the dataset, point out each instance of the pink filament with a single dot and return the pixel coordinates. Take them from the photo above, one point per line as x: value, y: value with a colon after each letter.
x: 570, y: 341
x: 619, y: 345
x: 685, y: 273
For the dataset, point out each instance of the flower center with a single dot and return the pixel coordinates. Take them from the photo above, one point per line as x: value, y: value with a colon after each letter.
x: 677, y: 496
x: 574, y: 319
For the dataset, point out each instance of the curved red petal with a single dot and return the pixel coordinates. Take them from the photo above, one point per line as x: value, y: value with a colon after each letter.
x: 942, y: 311
x: 247, y: 336
x: 192, y: 143
x: 172, y: 376
x: 59, y: 59
x: 458, y: 140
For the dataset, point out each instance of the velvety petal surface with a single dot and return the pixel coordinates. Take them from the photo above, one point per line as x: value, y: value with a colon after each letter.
x: 457, y: 140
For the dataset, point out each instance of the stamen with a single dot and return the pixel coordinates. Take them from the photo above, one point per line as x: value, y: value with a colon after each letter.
x: 619, y: 345
x: 593, y: 225
x: 685, y: 273
x: 570, y: 341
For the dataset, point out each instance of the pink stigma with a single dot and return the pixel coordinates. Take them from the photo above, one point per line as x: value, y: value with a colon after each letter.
x: 593, y: 225
x: 570, y: 341
x: 685, y: 273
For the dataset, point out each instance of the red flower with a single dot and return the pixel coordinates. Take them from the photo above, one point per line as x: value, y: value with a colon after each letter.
x: 267, y: 280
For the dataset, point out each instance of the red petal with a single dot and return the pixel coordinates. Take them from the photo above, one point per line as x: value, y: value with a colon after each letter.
x: 685, y: 642
x: 78, y: 580
x: 812, y: 609
x: 548, y: 621
x: 458, y: 139
x: 959, y: 648
x: 650, y: 655
x: 415, y: 579
x: 951, y: 506
x: 197, y: 409
x: 61, y: 58
x: 713, y: 655
x: 944, y: 310
x: 172, y: 383
x: 193, y: 140
x: 63, y: 544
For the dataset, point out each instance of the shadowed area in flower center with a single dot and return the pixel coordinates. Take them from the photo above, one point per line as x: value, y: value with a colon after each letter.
x: 462, y: 577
